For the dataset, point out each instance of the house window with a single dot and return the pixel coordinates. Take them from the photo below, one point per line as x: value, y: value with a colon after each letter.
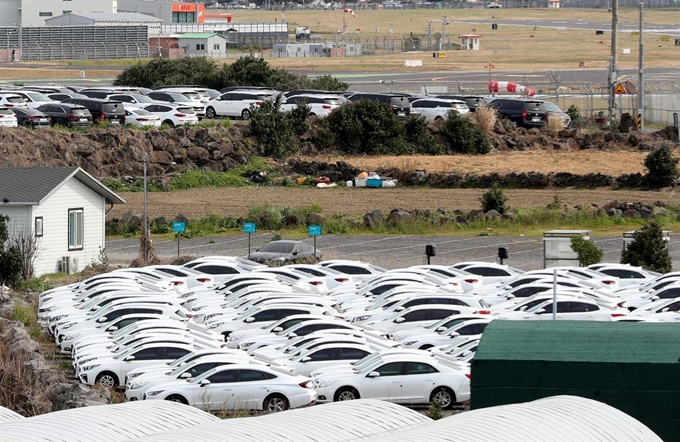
x: 39, y: 226
x: 200, y: 47
x: 216, y: 47
x: 65, y: 12
x: 76, y: 228
x: 45, y: 14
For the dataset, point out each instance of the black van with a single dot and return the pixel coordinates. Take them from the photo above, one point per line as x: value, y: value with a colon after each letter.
x: 398, y: 103
x: 110, y: 110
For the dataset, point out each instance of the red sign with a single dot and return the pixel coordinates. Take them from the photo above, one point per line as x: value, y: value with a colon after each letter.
x: 184, y: 7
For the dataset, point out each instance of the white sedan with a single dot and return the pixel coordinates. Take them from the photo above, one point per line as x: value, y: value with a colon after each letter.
x: 173, y: 114
x: 434, y: 109
x: 416, y: 317
x: 464, y: 331
x: 323, y: 356
x: 414, y: 377
x: 141, y: 117
x: 239, y: 387
x: 568, y: 308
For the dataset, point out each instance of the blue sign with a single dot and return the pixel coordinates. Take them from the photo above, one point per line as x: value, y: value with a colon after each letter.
x: 314, y: 230
x: 249, y: 228
x: 179, y: 227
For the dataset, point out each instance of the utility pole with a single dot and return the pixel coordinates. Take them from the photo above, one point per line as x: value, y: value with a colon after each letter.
x: 444, y: 22
x: 641, y: 76
x: 613, y: 68
x: 429, y: 34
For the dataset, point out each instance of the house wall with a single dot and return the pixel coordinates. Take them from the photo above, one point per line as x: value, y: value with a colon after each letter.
x: 189, y: 45
x: 54, y: 243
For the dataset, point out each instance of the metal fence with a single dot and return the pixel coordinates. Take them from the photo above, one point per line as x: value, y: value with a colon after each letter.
x: 73, y: 42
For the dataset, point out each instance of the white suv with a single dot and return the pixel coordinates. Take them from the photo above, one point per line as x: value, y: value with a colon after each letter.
x: 320, y: 105
x: 173, y: 114
x: 236, y: 103
x: 438, y: 108
x: 10, y: 99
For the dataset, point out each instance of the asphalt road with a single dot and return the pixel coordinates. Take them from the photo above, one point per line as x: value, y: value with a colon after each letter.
x: 391, y: 251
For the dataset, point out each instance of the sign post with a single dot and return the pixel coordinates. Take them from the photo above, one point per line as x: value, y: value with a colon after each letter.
x: 314, y: 231
x: 178, y: 227
x: 249, y: 228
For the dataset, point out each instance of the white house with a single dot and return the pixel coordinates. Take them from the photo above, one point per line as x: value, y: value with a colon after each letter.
x: 63, y: 207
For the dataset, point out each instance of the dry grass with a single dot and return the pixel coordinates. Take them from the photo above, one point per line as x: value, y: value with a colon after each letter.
x: 486, y: 117
x: 554, y: 123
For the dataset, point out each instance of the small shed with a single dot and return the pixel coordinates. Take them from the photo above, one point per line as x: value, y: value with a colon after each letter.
x: 630, y: 366
x: 469, y: 42
x: 555, y: 4
x: 304, y: 50
x: 203, y: 44
x: 62, y: 208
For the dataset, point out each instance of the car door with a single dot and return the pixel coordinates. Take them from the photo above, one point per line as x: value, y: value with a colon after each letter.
x: 317, y: 359
x: 418, y: 382
x: 545, y: 312
x: 139, y: 358
x: 579, y: 310
x: 249, y: 390
x: 218, y: 394
x: 386, y: 386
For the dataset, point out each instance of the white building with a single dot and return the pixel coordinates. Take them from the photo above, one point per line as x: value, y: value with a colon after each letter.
x: 203, y: 44
x: 63, y: 207
x: 35, y: 12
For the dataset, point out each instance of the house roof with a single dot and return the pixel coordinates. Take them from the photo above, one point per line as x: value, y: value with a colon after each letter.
x: 200, y: 35
x: 110, y: 16
x: 29, y: 186
x: 580, y: 341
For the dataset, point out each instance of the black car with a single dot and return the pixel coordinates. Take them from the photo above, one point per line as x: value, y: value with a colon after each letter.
x: 67, y: 114
x: 472, y: 101
x: 101, y: 110
x: 399, y: 104
x: 524, y: 112
x: 285, y: 252
x: 31, y: 117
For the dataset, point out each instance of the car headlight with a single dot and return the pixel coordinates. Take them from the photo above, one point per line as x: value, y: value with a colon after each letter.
x: 409, y: 343
x: 214, y: 325
x: 90, y: 367
x: 246, y: 344
x: 154, y: 393
x: 324, y: 383
x: 65, y: 326
x: 71, y: 336
x: 58, y: 318
x: 135, y: 374
x: 136, y: 385
x: 362, y: 318
x: 235, y: 337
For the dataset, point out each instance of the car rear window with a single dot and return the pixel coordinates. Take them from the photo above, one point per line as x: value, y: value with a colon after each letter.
x: 113, y: 107
x: 458, y: 105
x: 80, y: 111
x: 333, y: 101
x: 264, y: 97
x: 16, y: 100
x: 400, y: 101
x: 5, y: 111
x: 535, y: 106
x: 186, y: 110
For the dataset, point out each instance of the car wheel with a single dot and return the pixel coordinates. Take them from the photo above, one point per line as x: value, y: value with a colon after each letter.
x: 438, y: 118
x: 168, y: 123
x: 177, y: 398
x: 275, y: 402
x: 346, y: 394
x: 107, y: 380
x: 312, y: 114
x: 210, y: 113
x: 444, y: 397
x: 245, y: 114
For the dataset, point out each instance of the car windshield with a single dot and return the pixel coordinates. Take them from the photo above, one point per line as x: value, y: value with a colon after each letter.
x: 277, y: 247
x: 180, y: 97
x: 141, y: 112
x: 142, y: 98
x: 552, y: 107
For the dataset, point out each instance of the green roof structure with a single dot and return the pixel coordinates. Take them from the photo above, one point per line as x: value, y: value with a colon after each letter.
x: 634, y: 367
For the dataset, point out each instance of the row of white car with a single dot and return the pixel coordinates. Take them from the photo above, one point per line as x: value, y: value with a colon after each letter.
x: 226, y: 333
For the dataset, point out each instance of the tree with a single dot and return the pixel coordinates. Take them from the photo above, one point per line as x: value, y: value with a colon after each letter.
x: 494, y: 199
x: 11, y: 262
x: 648, y: 249
x: 273, y: 128
x: 662, y: 168
x: 587, y: 252
x: 464, y: 136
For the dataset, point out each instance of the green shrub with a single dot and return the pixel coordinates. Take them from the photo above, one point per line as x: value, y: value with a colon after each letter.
x: 367, y: 127
x: 574, y: 113
x: 587, y: 252
x: 418, y: 136
x: 662, y: 168
x: 464, y: 136
x: 11, y: 261
x: 273, y: 129
x: 648, y: 249
x: 194, y: 179
x: 494, y: 199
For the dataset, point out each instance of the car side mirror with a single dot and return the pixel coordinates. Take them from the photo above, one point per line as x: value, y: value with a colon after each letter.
x: 249, y: 319
x: 295, y: 252
x: 129, y: 358
x: 292, y: 335
x: 400, y: 308
x: 102, y: 319
x: 205, y: 382
x: 509, y: 296
x: 373, y: 374
x: 185, y: 375
x: 664, y: 310
x: 466, y: 352
x: 277, y: 329
x: 306, y: 359
x: 540, y: 311
x: 440, y: 329
x: 655, y: 298
x: 113, y: 328
x: 399, y: 320
x: 454, y: 334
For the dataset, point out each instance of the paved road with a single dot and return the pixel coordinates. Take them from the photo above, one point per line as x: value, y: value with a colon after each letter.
x: 392, y: 251
x: 667, y: 29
